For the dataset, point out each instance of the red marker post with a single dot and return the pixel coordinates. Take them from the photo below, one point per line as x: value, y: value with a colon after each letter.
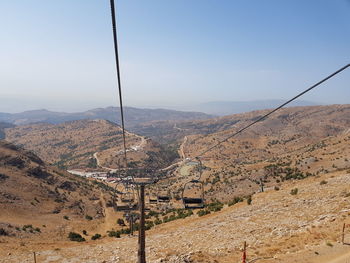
x: 244, y: 257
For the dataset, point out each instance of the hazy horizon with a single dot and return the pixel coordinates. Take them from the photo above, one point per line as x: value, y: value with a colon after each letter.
x: 59, y: 55
x: 187, y: 107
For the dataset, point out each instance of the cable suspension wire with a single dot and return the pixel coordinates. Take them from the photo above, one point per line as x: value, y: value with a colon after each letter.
x: 274, y: 110
x: 115, y: 40
x: 116, y: 52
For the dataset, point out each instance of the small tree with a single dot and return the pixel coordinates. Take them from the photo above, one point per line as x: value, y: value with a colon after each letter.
x: 294, y: 191
x: 3, y: 232
x: 249, y: 200
x: 75, y: 237
x: 120, y: 222
x: 96, y: 236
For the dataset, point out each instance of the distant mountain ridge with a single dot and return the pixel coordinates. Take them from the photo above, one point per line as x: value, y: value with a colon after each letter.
x: 3, y: 126
x: 133, y: 116
x: 222, y: 108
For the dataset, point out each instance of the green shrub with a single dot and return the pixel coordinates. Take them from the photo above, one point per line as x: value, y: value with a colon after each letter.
x: 3, y: 232
x: 66, y: 217
x: 114, y: 234
x: 149, y: 225
x: 96, y: 236
x: 214, y: 207
x: 277, y: 188
x: 75, y: 237
x: 323, y: 182
x: 87, y: 217
x: 84, y: 232
x: 25, y: 227
x: 203, y: 212
x: 329, y: 244
x: 153, y: 213
x: 249, y: 200
x: 158, y: 221
x: 120, y: 222
x: 236, y: 200
x: 125, y: 231
x: 294, y: 191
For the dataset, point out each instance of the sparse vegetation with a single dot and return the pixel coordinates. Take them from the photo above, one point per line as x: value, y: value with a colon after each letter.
x: 203, y: 212
x: 87, y: 217
x: 114, y: 234
x: 75, y: 237
x: 3, y: 232
x: 120, y: 222
x: 235, y: 201
x: 96, y: 236
x: 294, y: 191
x: 249, y: 200
x: 3, y: 177
x: 329, y: 244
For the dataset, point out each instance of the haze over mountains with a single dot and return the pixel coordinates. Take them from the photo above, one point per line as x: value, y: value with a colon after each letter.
x: 221, y: 108
x: 135, y: 116
x: 132, y: 115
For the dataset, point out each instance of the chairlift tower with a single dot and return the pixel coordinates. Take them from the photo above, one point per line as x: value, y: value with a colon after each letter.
x: 141, y: 183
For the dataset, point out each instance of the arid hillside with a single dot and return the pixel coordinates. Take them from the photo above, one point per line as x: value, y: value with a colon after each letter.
x: 85, y: 144
x: 3, y: 126
x: 284, y: 226
x: 301, y: 158
x: 329, y: 118
x: 39, y: 201
x: 294, y: 143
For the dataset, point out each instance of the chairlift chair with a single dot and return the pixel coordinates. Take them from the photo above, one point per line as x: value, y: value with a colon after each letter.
x: 197, y: 201
x: 128, y: 196
x: 152, y: 199
x: 163, y: 198
x: 190, y: 201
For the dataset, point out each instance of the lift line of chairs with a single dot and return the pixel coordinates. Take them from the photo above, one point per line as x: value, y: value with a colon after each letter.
x: 189, y: 199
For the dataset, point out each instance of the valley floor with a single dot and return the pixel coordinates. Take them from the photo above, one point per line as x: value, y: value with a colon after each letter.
x: 278, y: 226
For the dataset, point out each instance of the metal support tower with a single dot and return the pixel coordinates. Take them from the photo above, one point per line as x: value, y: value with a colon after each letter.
x: 142, y: 234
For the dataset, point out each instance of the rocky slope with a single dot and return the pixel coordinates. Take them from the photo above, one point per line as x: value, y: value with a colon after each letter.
x: 294, y: 143
x: 76, y: 144
x: 38, y: 201
x: 278, y: 226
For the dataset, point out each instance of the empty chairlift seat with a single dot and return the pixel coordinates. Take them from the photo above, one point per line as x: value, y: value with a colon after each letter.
x: 193, y: 195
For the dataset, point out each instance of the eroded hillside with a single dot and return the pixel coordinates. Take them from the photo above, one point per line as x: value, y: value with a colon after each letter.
x: 86, y: 144
x: 40, y: 202
x: 293, y: 144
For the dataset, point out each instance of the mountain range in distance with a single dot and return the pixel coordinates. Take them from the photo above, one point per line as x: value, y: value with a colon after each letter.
x: 135, y: 116
x: 222, y: 108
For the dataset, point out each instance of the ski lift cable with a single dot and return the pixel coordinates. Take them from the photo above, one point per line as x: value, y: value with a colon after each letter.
x: 116, y: 52
x: 272, y: 111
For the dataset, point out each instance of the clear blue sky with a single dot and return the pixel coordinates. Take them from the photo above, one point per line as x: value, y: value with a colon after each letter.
x: 59, y: 54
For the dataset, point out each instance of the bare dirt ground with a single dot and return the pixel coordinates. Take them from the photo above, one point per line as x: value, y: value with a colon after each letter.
x: 305, y: 227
